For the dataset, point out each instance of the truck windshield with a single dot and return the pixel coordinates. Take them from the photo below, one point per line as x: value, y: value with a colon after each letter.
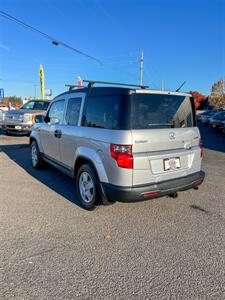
x: 161, y: 111
x: 36, y: 105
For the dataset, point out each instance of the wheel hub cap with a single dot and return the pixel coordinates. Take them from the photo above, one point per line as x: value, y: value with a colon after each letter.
x: 86, y: 187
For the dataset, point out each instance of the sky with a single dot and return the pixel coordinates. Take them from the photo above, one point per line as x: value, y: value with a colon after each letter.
x: 182, y: 40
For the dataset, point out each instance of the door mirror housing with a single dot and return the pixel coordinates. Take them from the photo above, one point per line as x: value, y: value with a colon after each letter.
x: 39, y: 119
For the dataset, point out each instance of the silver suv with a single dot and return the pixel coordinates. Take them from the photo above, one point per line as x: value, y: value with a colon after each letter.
x: 121, y: 143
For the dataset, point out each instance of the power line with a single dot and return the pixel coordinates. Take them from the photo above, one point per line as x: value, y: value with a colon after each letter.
x: 45, y: 35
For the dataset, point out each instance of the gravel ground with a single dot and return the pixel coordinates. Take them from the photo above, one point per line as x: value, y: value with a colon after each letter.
x: 50, y: 248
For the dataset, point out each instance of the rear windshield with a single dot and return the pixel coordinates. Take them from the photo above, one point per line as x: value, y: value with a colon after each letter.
x: 219, y: 116
x: 161, y: 111
x: 36, y: 105
x: 138, y: 111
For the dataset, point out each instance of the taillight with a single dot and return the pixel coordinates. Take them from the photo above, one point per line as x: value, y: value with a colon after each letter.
x: 201, y: 149
x: 123, y: 155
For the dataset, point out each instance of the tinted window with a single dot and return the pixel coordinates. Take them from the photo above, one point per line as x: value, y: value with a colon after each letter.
x: 73, y: 110
x: 161, y: 111
x: 103, y: 112
x: 36, y: 105
x: 56, y: 112
x: 45, y: 105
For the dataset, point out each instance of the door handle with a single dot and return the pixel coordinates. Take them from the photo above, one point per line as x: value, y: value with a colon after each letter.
x: 58, y: 133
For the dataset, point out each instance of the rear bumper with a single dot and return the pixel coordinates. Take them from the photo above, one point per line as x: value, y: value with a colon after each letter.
x: 130, y: 194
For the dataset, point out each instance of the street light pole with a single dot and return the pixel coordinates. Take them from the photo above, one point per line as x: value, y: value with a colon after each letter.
x: 141, y: 67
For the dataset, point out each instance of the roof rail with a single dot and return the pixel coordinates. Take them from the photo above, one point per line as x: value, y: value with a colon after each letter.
x: 92, y: 82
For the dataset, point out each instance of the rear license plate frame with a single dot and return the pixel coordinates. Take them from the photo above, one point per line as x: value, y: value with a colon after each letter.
x: 171, y: 164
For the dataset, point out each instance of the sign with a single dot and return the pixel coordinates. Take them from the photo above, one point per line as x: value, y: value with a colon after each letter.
x: 1, y: 93
x: 48, y: 92
x: 79, y: 82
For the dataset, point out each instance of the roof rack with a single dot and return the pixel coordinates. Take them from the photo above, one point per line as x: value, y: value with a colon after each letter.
x: 72, y: 86
x: 92, y: 82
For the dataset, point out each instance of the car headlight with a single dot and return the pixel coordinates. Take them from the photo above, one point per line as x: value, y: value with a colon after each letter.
x: 2, y: 116
x: 27, y: 117
x: 20, y: 118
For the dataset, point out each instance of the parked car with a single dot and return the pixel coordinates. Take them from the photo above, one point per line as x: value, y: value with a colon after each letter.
x: 121, y: 143
x: 222, y: 126
x: 3, y: 108
x: 20, y: 121
x: 216, y: 120
x: 205, y: 117
x: 199, y: 114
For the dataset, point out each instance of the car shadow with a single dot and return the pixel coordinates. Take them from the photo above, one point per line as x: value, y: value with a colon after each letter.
x: 49, y: 176
x: 212, y: 139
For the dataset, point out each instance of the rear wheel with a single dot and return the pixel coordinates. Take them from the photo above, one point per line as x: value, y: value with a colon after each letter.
x: 35, y: 155
x: 87, y: 187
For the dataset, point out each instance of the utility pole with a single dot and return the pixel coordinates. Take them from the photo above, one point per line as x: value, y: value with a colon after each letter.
x: 141, y: 67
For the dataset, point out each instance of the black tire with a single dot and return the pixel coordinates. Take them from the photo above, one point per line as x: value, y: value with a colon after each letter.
x: 4, y: 131
x: 88, y: 203
x: 36, y: 163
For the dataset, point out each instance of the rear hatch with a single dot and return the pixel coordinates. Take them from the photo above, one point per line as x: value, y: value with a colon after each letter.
x: 165, y: 139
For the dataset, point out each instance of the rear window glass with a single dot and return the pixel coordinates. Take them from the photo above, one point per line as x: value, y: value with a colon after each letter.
x: 161, y: 111
x: 104, y: 112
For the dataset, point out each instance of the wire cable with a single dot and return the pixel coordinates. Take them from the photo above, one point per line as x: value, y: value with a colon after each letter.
x: 47, y: 36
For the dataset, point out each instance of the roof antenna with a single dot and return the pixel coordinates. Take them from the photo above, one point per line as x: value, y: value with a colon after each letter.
x: 177, y: 90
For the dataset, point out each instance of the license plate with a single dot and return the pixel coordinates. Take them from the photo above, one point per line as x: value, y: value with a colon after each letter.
x: 18, y: 127
x: 171, y: 163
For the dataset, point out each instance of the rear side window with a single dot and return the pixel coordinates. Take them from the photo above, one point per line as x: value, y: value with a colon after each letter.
x: 73, y: 111
x: 161, y: 111
x: 104, y: 112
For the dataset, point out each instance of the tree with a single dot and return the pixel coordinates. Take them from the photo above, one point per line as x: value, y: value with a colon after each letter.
x: 199, y: 99
x: 15, y: 101
x: 217, y: 96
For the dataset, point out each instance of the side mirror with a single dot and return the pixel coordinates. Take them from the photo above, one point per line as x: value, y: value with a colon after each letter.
x: 39, y: 118
x: 46, y: 119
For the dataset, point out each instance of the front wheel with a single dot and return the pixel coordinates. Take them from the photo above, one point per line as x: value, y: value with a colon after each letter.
x: 87, y: 187
x: 35, y: 155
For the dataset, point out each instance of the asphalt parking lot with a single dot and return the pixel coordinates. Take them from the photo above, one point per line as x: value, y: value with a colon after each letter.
x: 160, y: 249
